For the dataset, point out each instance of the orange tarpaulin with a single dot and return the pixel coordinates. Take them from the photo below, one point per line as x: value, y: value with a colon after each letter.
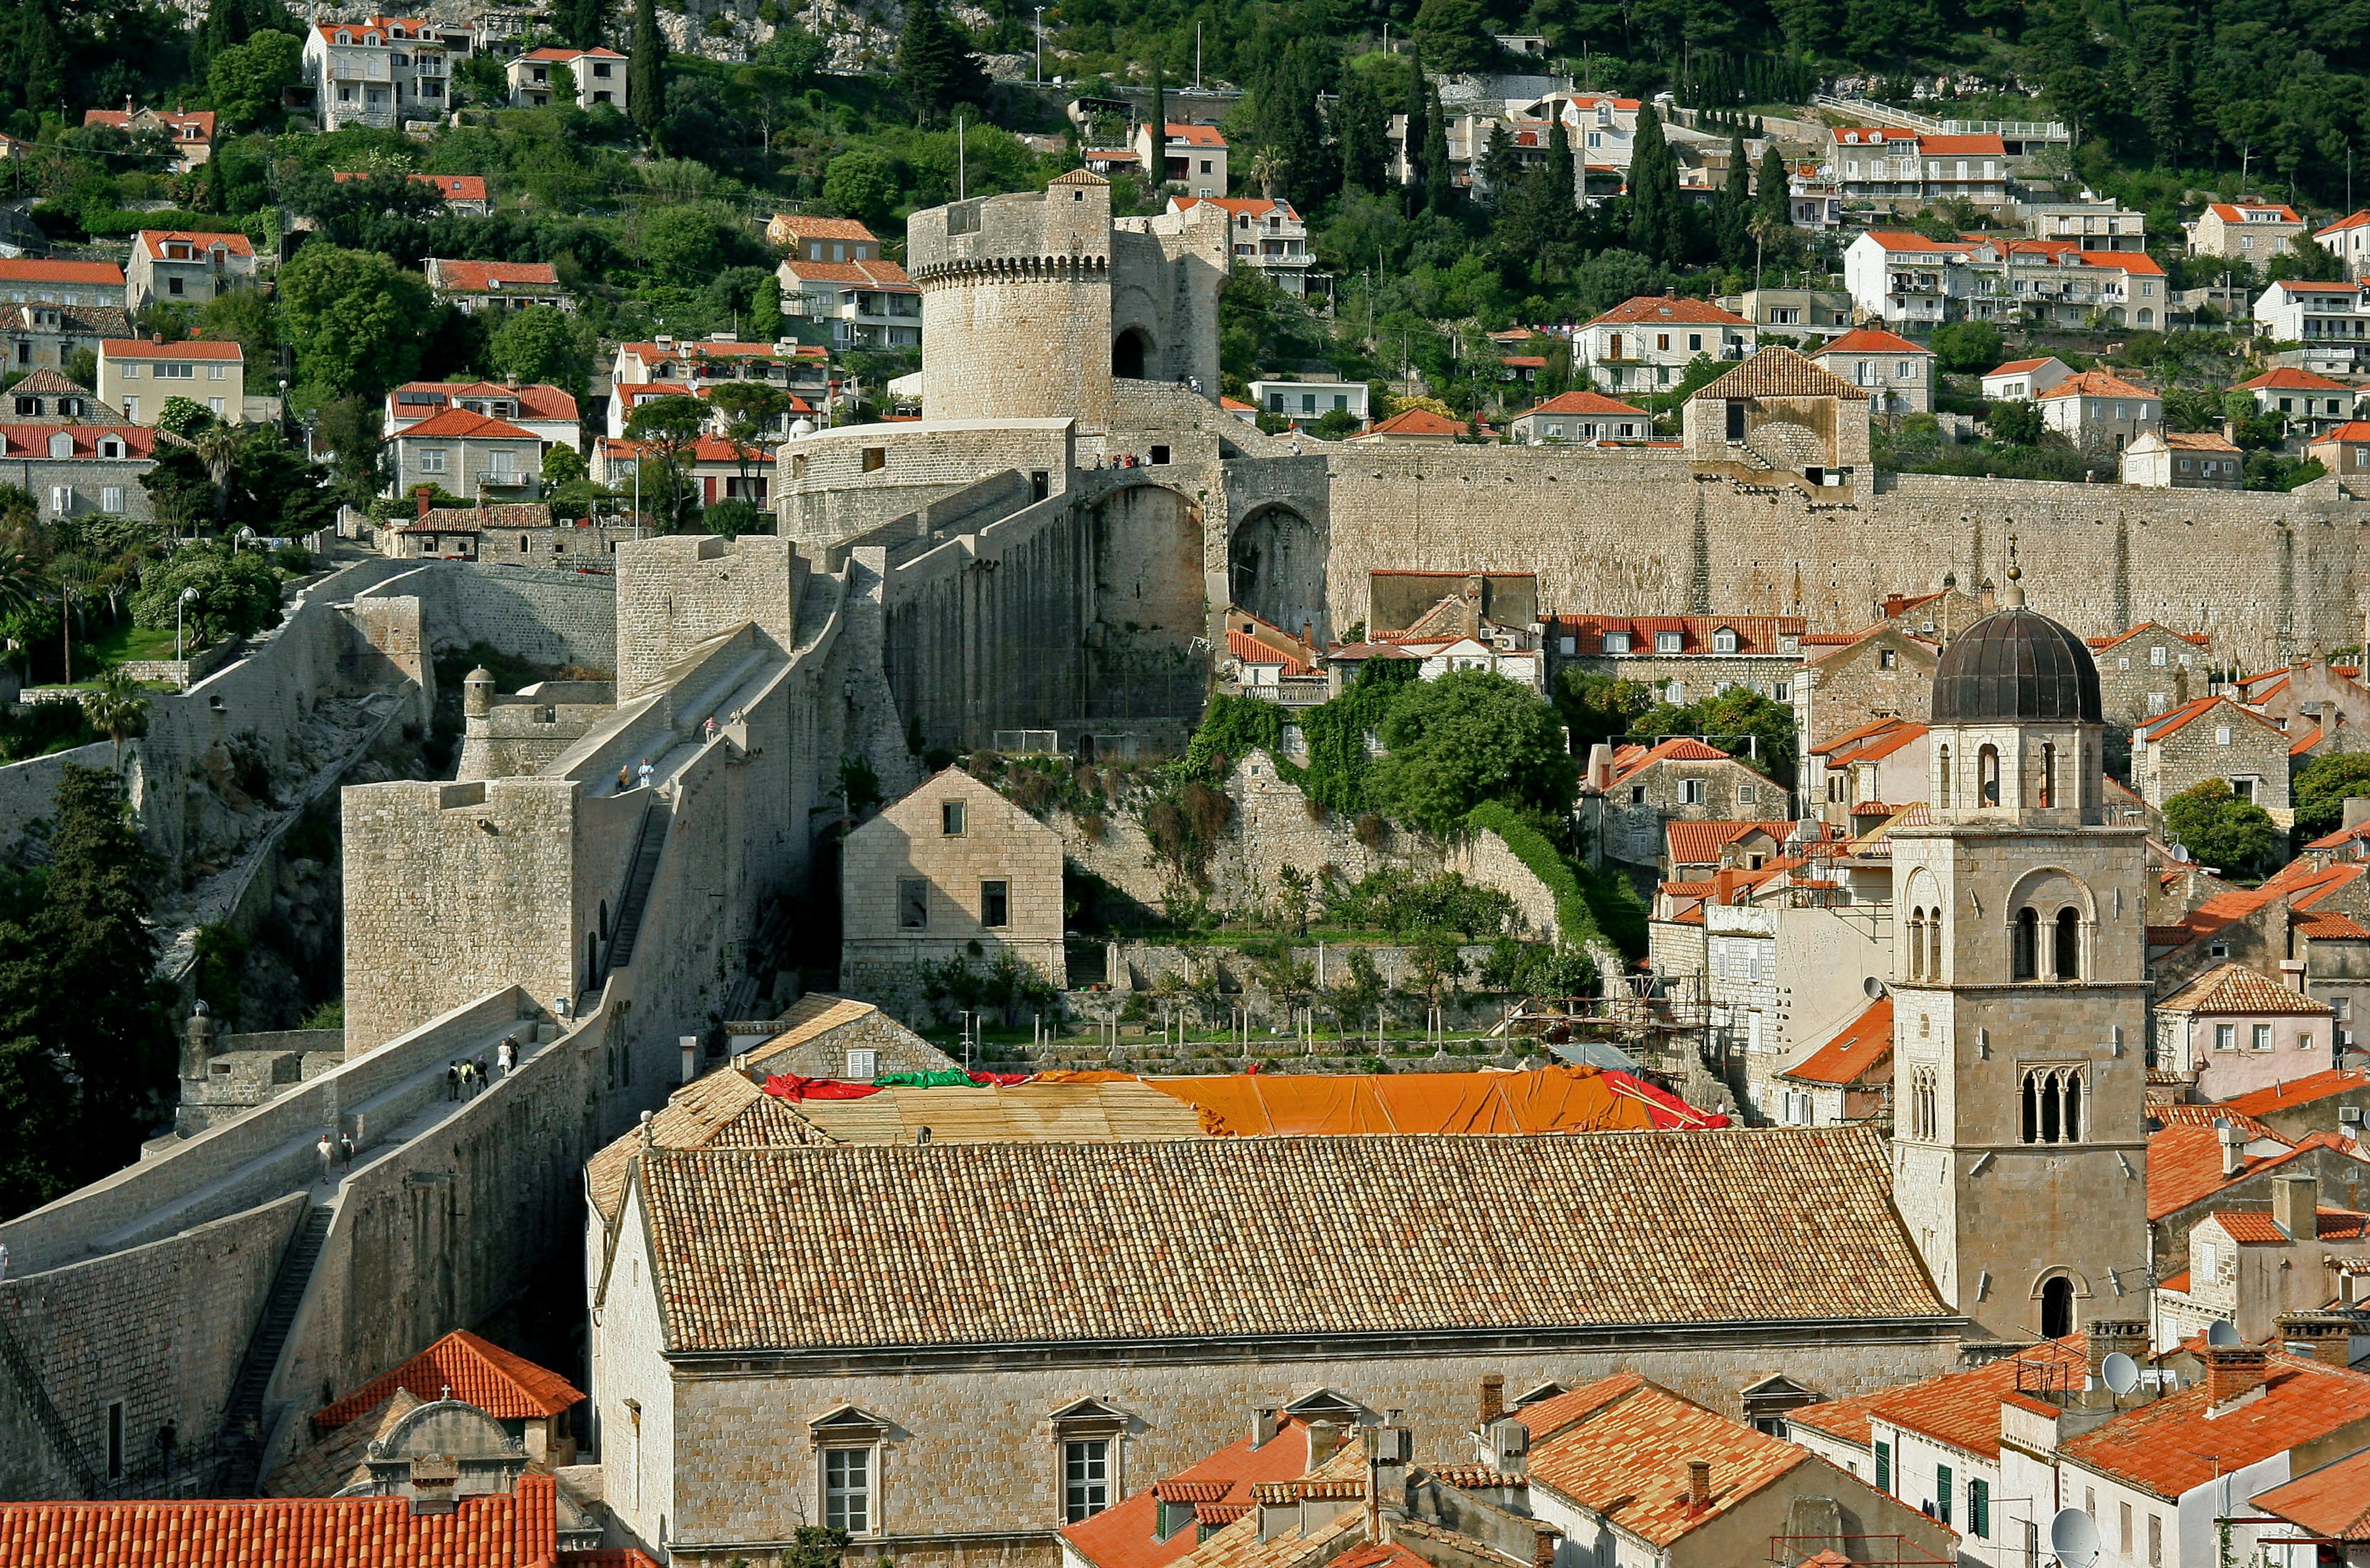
x: 1556, y: 1099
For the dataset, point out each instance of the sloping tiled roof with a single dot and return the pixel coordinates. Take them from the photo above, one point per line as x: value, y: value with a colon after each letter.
x: 462, y: 1366
x: 1630, y: 761
x: 1554, y: 1100
x: 715, y: 1108
x: 1870, y: 340
x: 1620, y: 1448
x: 1861, y: 1045
x: 1126, y: 1534
x: 2234, y: 988
x: 1250, y: 650
x: 483, y: 277
x: 2333, y: 1500
x: 804, y: 227
x: 1699, y: 843
x: 1417, y: 422
x: 535, y: 400
x: 1754, y: 633
x: 2208, y: 1114
x: 459, y: 424
x: 1958, y: 1408
x: 868, y: 273
x: 2016, y: 367
x: 1582, y: 403
x: 2255, y: 1227
x: 494, y: 1530
x: 2184, y: 1164
x: 2287, y: 378
x: 755, y: 1248
x: 152, y: 241
x: 2094, y: 383
x: 34, y: 270
x: 1651, y: 308
x: 33, y: 441
x: 2168, y: 1446
x: 2298, y: 1091
x: 188, y: 348
x: 1778, y: 372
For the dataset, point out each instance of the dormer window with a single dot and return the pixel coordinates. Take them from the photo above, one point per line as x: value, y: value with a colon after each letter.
x: 1666, y: 642
x: 1616, y: 642
x: 1723, y: 640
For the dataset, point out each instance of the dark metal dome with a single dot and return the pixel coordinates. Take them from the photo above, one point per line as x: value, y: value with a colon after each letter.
x: 2016, y: 664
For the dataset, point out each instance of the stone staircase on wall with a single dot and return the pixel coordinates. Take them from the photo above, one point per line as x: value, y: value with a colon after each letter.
x: 243, y: 1416
x: 646, y: 850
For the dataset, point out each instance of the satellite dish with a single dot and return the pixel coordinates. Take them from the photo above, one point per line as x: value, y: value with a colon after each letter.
x: 2122, y: 1373
x: 2074, y: 1537
x: 1872, y: 988
x: 2223, y: 1334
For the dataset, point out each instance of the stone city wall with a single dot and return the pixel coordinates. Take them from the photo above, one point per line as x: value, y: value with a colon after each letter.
x: 161, y: 1327
x: 830, y: 495
x: 552, y: 615
x: 676, y: 593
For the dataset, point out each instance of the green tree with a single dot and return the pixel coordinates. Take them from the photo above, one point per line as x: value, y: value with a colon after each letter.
x: 936, y: 67
x: 765, y: 311
x: 2323, y: 786
x: 1597, y: 708
x: 1656, y: 222
x: 683, y: 245
x: 247, y: 80
x: 1468, y: 736
x: 354, y: 317
x: 1359, y: 127
x: 1455, y: 35
x: 753, y: 414
x: 116, y: 708
x: 1966, y: 348
x: 2218, y: 829
x: 541, y: 344
x: 645, y: 71
x: 1501, y: 171
x: 1740, y: 721
x: 862, y: 184
x: 184, y: 416
x: 2015, y: 422
x: 1439, y: 178
x: 238, y: 593
x: 1732, y: 210
x: 667, y: 428
x: 1416, y: 136
x: 1772, y: 196
x: 580, y: 22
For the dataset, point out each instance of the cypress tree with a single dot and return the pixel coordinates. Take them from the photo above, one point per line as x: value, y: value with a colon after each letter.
x: 1359, y: 127
x: 1499, y: 169
x: 580, y: 22
x: 645, y: 75
x: 1732, y: 211
x: 1772, y: 199
x: 1654, y: 219
x: 1160, y: 128
x: 1411, y: 145
x: 1439, y: 179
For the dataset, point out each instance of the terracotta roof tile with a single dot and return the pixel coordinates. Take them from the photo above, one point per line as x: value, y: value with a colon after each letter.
x: 487, y: 277
x: 2234, y: 988
x: 756, y: 1248
x: 1699, y: 843
x: 1754, y: 633
x: 1866, y: 340
x: 1856, y: 1051
x: 799, y: 226
x: 2168, y: 1446
x: 459, y: 424
x: 715, y: 1108
x: 2298, y: 1091
x: 535, y: 400
x: 1620, y: 1448
x: 188, y: 348
x: 1778, y: 372
x: 31, y: 269
x: 1961, y: 1409
x: 497, y: 1530
x: 1583, y: 403
x: 2333, y: 1500
x: 2208, y: 1114
x: 2256, y: 1228
x: 1652, y: 308
x: 1126, y: 1534
x: 1249, y: 649
x: 2287, y: 378
x: 506, y: 1387
x: 2185, y: 1164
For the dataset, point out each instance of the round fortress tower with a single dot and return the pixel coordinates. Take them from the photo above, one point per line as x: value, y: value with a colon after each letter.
x: 1033, y: 305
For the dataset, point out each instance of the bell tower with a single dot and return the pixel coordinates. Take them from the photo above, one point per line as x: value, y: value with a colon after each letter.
x: 2020, y: 1072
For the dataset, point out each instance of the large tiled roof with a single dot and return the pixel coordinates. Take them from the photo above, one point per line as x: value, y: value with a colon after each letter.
x: 860, y: 1247
x: 2287, y: 378
x: 33, y: 441
x: 869, y: 274
x: 1236, y: 1543
x: 536, y: 399
x: 1126, y: 1535
x: 495, y: 1530
x: 1582, y: 403
x: 490, y: 277
x: 1699, y: 843
x: 462, y: 1366
x: 2333, y: 1501
x: 1870, y: 340
x: 1620, y: 1448
x: 1630, y: 761
x: 716, y: 1108
x: 1557, y: 1099
x: 36, y: 269
x: 1861, y: 1045
x: 2255, y: 1227
x: 154, y: 240
x: 2234, y: 988
x: 1754, y: 633
x: 801, y: 227
x: 1649, y: 309
x: 2169, y: 1444
x: 2184, y: 1165
x: 187, y: 348
x: 1958, y: 1408
x: 459, y: 424
x: 2298, y: 1091
x: 2094, y: 383
x: 82, y: 321
x: 1122, y: 1109
x: 2209, y: 1114
x: 1778, y: 372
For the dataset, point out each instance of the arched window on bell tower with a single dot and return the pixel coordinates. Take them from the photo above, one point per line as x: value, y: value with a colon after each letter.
x: 1934, y: 946
x: 1987, y: 777
x: 2065, y: 957
x: 2056, y: 1308
x: 1916, y: 967
x: 2024, y: 946
x: 1942, y: 781
x: 2048, y: 775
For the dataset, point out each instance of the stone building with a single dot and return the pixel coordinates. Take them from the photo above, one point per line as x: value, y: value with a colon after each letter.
x: 1936, y: 616
x: 1647, y: 344
x: 1779, y: 411
x: 1872, y: 771
x: 1884, y: 676
x: 2233, y: 1030
x: 1846, y: 1077
x: 524, y: 732
x: 2183, y: 459
x: 471, y: 455
x: 950, y: 871
x: 1580, y: 416
x: 72, y: 452
x: 2252, y: 1268
x: 44, y: 336
x: 1678, y: 780
x: 834, y: 1037
x: 2019, y: 989
x: 497, y: 285
x: 1897, y: 375
x: 35, y: 280
x: 906, y: 1410
x: 2100, y: 412
x: 1682, y: 658
x: 2150, y: 669
x: 2253, y: 232
x: 351, y: 68
x: 176, y: 268
x: 2212, y: 738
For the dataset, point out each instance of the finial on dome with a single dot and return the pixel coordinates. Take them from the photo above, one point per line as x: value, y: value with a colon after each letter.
x: 2012, y: 596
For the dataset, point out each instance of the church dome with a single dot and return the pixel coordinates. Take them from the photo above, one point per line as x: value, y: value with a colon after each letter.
x: 2016, y: 665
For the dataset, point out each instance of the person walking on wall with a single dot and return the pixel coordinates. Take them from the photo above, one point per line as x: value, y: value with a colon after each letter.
x: 645, y: 772
x: 452, y: 1080
x: 625, y: 778
x: 506, y: 1059
x: 326, y: 1152
x: 345, y: 1150
x: 481, y: 1073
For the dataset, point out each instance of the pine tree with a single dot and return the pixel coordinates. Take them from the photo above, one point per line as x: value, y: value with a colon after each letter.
x: 1359, y: 132
x: 1500, y: 171
x: 580, y: 22
x: 936, y: 68
x: 646, y: 77
x: 1655, y: 223
x: 1732, y: 210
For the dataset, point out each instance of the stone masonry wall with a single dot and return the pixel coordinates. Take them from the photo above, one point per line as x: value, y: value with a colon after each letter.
x: 675, y: 593
x: 2194, y: 753
x: 829, y: 496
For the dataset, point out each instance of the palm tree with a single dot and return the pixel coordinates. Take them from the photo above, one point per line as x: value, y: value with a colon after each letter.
x: 117, y: 707
x: 1267, y: 168
x: 74, y: 577
x: 217, y: 447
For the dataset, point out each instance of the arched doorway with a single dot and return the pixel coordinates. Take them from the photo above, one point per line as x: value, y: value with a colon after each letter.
x: 2056, y: 1307
x: 1131, y: 351
x: 1275, y: 568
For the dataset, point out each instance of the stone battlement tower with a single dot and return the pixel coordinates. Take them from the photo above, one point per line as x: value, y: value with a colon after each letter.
x: 1036, y: 305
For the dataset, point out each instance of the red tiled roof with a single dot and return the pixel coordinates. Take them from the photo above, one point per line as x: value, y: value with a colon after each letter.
x: 480, y: 277
x: 230, y: 244
x: 1198, y: 135
x: 1699, y: 843
x: 493, y: 1530
x: 1417, y: 422
x: 706, y: 449
x: 180, y: 118
x: 1869, y: 340
x: 33, y: 441
x: 2206, y: 1115
x: 188, y: 348
x: 2351, y: 220
x: 2236, y: 212
x: 1958, y: 1408
x: 2328, y: 925
x: 2136, y: 262
x: 1379, y: 1554
x: 452, y: 187
x: 872, y: 274
x: 1891, y: 239
x: 2100, y: 645
x: 2236, y: 989
x: 1632, y: 759
x: 2178, y: 718
x: 2095, y: 383
x: 821, y: 228
x: 1620, y: 1448
x: 2017, y: 367
x: 1961, y: 146
x: 2168, y: 1446
x: 2287, y: 378
x: 1126, y: 1534
x: 459, y: 424
x: 2351, y: 430
x: 574, y: 54
x: 1582, y: 403
x: 2333, y: 1501
x: 710, y: 348
x: 506, y: 1387
x: 1250, y: 650
x: 2185, y: 1164
x: 1883, y: 744
x: 1862, y: 1046
x: 2298, y: 1091
x: 1662, y: 307
x: 535, y: 400
x: 1239, y: 206
x: 1754, y: 633
x: 2253, y: 1228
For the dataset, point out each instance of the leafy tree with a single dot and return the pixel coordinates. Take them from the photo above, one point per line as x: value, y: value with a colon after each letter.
x: 1439, y: 179
x: 862, y: 184
x: 794, y: 51
x: 2220, y: 830
x: 184, y: 416
x: 254, y: 475
x: 1352, y: 1000
x: 1729, y: 720
x: 733, y: 517
x: 765, y: 311
x: 2307, y: 260
x: 1966, y: 348
x: 936, y: 66
x: 688, y: 246
x: 354, y: 319
x: 247, y: 79
x: 349, y: 428
x: 1468, y: 736
x: 2015, y: 422
x: 2323, y: 786
x: 116, y: 708
x: 1416, y: 136
x: 546, y: 345
x: 238, y: 593
x: 580, y: 22
x: 646, y: 72
x: 753, y: 412
x: 1597, y: 708
x: 1455, y: 35
x: 667, y: 429
x: 1501, y: 171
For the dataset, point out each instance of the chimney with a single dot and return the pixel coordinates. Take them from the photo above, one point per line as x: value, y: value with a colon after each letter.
x: 423, y: 494
x: 1494, y: 1398
x: 2105, y: 1336
x: 1600, y: 767
x: 1324, y: 1437
x: 1723, y: 885
x: 1698, y: 1484
x: 2357, y: 811
x: 2234, y: 1147
x: 2232, y: 1370
x: 2316, y: 1336
x: 2293, y: 1202
x: 1543, y: 1545
x: 1262, y: 1425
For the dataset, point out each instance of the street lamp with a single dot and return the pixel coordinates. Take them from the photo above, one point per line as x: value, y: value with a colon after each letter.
x: 189, y: 597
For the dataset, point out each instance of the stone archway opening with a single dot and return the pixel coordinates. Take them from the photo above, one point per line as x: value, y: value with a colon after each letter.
x: 2056, y: 1308
x: 1275, y: 568
x: 1131, y: 352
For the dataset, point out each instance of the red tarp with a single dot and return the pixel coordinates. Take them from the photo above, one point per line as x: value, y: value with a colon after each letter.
x: 790, y: 1086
